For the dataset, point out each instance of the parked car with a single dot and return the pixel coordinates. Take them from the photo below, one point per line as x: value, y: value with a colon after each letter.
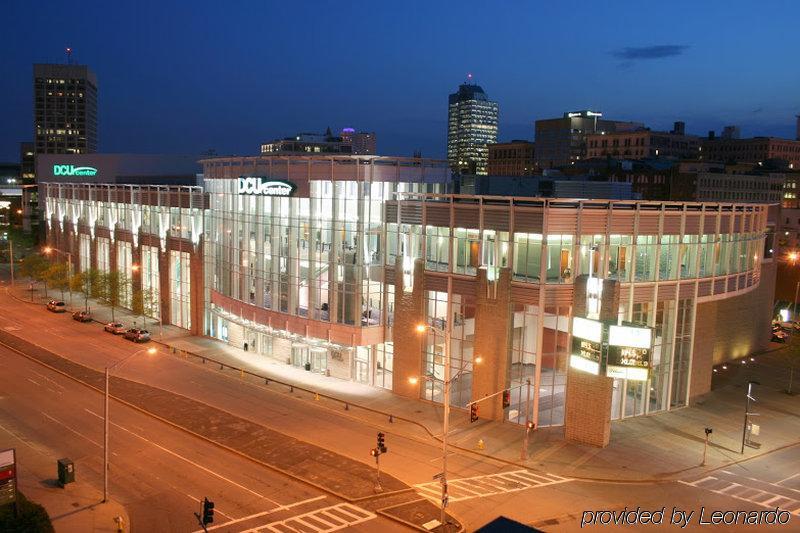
x: 779, y: 335
x: 115, y: 327
x: 137, y: 335
x: 56, y: 306
x: 82, y: 316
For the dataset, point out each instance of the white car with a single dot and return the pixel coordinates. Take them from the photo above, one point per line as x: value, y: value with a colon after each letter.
x: 117, y: 328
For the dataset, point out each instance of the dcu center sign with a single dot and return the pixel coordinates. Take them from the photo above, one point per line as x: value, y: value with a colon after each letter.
x: 261, y: 186
x: 72, y: 170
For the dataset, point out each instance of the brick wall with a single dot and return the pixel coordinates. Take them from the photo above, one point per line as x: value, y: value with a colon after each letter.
x: 408, y: 313
x: 730, y: 328
x: 493, y: 323
x: 587, y: 419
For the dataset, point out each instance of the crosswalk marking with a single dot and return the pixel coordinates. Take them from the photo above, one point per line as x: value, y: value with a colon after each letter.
x: 748, y: 494
x: 323, y: 520
x: 488, y: 485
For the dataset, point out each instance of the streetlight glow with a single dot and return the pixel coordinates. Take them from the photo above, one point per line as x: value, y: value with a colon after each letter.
x: 793, y: 256
x: 413, y: 380
x: 135, y: 268
x: 421, y: 328
x: 47, y: 249
x: 478, y: 360
x: 151, y: 351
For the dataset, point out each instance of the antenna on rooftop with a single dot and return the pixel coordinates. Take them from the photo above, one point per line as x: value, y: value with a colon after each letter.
x: 69, y: 55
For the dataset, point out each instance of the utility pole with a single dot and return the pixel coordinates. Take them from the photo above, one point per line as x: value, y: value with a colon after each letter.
x: 448, y: 328
x: 11, y: 260
x: 528, y: 422
x: 747, y: 413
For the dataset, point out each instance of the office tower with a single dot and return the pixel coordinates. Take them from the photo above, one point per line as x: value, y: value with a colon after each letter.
x: 562, y: 141
x: 362, y: 142
x: 513, y: 158
x: 731, y: 132
x: 471, y: 127
x: 64, y: 109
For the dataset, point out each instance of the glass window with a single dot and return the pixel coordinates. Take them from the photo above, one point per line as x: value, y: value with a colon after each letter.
x: 645, y: 257
x: 559, y: 259
x: 619, y: 257
x: 527, y: 255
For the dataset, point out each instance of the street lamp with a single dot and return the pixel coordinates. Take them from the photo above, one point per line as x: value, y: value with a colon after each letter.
x: 150, y: 351
x: 447, y: 382
x: 47, y: 250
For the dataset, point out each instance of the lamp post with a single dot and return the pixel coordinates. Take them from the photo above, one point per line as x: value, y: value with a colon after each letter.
x: 747, y: 413
x: 447, y: 383
x: 47, y: 250
x: 151, y: 351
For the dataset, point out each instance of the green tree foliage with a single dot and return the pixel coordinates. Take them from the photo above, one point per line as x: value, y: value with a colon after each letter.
x: 32, y: 517
x: 57, y: 276
x: 34, y: 266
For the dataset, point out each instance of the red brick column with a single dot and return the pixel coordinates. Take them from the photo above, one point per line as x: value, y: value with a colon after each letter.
x: 493, y: 325
x: 409, y: 311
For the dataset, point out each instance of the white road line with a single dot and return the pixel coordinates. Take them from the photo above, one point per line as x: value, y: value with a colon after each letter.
x: 347, y: 513
x: 751, y: 499
x: 787, y: 478
x: 49, y: 380
x: 34, y: 382
x: 198, y: 500
x: 263, y: 513
x: 489, y: 485
x: 20, y: 437
x: 201, y: 467
x: 72, y: 430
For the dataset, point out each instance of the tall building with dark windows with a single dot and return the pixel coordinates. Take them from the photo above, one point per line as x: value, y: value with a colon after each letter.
x: 471, y: 127
x: 64, y: 109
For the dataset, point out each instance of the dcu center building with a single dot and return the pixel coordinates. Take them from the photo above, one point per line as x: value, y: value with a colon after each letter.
x: 558, y: 311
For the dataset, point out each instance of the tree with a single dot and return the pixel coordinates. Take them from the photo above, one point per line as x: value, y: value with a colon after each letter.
x: 34, y: 267
x: 113, y: 289
x: 85, y: 283
x: 58, y: 277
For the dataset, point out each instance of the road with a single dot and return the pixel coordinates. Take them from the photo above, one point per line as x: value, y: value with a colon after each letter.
x: 158, y: 473
x: 151, y: 481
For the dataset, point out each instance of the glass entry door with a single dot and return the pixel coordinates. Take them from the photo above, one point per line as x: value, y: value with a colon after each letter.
x: 299, y: 355
x: 319, y: 360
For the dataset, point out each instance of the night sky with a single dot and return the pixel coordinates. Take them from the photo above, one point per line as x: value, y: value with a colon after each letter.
x: 183, y: 77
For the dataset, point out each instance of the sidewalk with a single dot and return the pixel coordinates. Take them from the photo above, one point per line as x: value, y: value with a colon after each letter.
x: 658, y: 447
x: 77, y: 507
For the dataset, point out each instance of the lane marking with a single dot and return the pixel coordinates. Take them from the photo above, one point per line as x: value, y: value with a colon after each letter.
x: 263, y: 513
x: 201, y: 467
x: 320, y: 520
x: 761, y: 494
x: 72, y: 430
x: 488, y: 485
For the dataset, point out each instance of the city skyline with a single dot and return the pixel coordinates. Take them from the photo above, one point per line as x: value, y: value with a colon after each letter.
x: 216, y: 88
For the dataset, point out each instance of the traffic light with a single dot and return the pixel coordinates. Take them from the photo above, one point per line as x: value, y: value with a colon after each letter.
x: 506, y: 398
x: 208, y: 511
x: 381, y: 442
x: 473, y: 412
x: 374, y: 452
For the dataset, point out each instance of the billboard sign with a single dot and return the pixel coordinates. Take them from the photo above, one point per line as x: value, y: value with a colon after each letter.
x: 8, y: 476
x: 587, y: 336
x: 72, y: 170
x: 261, y: 186
x: 629, y: 353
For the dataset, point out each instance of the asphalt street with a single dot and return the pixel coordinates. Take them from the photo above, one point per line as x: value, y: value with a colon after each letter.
x: 160, y: 473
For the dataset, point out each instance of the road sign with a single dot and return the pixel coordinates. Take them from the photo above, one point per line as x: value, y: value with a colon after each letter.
x: 8, y: 477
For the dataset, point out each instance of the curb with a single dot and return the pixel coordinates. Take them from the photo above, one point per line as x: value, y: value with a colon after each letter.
x: 213, y: 442
x: 667, y: 478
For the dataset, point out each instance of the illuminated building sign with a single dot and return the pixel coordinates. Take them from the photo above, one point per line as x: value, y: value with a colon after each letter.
x: 629, y: 352
x: 587, y: 351
x: 72, y: 170
x: 261, y: 186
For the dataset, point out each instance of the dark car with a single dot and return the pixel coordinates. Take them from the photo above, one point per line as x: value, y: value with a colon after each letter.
x: 137, y: 335
x: 115, y: 327
x: 82, y: 316
x: 56, y: 306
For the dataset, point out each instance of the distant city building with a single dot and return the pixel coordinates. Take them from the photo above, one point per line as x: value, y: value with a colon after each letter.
x: 731, y: 132
x: 64, y: 109
x: 308, y: 143
x: 30, y: 195
x: 362, y: 142
x: 713, y: 182
x: 643, y: 144
x: 562, y: 141
x: 756, y: 150
x: 797, y: 134
x: 515, y: 158
x: 471, y: 127
x: 10, y: 194
x: 791, y: 190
